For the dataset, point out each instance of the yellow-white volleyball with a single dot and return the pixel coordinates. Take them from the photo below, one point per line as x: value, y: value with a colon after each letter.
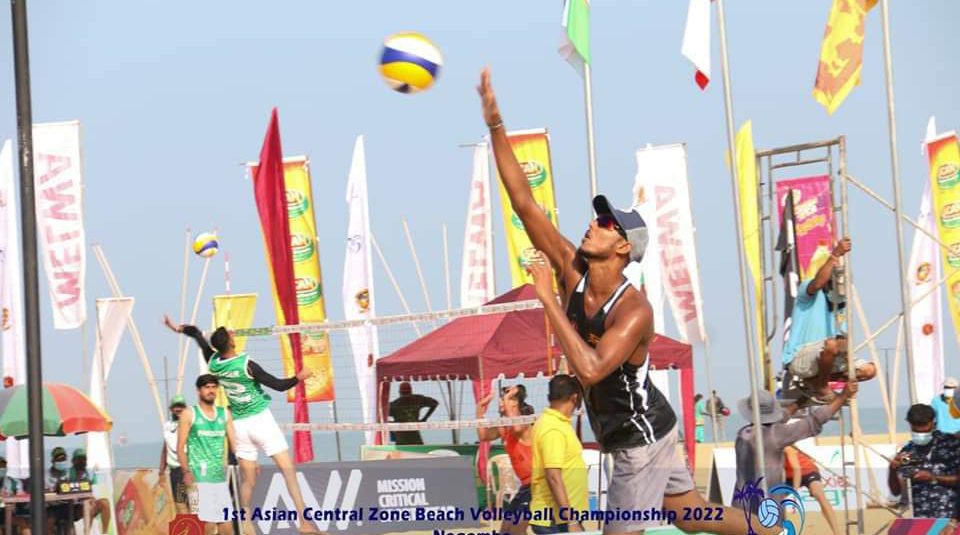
x: 205, y: 244
x: 410, y: 62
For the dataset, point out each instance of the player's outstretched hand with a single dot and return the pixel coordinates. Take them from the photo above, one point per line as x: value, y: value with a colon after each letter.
x: 170, y: 325
x: 491, y: 111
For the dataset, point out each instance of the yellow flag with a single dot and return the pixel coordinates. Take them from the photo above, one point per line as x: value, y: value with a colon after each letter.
x: 532, y: 149
x: 750, y: 222
x: 233, y: 312
x: 841, y: 54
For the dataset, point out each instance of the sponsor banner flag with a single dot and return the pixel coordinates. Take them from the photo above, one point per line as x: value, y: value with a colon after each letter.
x: 476, y: 271
x: 665, y: 170
x: 144, y: 502
x: 112, y: 317
x: 273, y: 206
x: 841, y: 53
x: 927, y: 336
x: 366, y: 496
x: 11, y: 301
x: 532, y: 149
x: 358, y: 294
x: 646, y: 273
x: 311, y: 308
x: 59, y: 198
x: 944, y: 157
x: 813, y: 219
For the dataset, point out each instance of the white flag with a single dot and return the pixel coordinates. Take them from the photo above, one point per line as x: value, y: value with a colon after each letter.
x: 696, y: 40
x: 664, y: 172
x: 476, y: 270
x: 927, y: 337
x: 112, y: 317
x: 59, y: 198
x: 358, y: 303
x: 11, y: 300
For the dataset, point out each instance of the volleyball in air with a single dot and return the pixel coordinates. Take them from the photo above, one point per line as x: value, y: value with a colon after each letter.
x: 205, y: 244
x: 410, y: 62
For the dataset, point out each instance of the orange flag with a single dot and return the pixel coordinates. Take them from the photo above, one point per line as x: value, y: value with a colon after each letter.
x: 841, y: 54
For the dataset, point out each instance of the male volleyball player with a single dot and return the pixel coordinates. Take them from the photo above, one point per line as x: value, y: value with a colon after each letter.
x: 242, y: 381
x: 605, y: 333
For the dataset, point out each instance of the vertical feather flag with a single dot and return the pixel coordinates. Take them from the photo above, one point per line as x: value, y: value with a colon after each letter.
x: 696, y: 40
x: 750, y: 222
x: 927, y: 336
x: 789, y: 262
x: 476, y: 271
x: 270, y: 195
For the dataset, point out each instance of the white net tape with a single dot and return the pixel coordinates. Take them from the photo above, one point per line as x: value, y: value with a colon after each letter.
x: 413, y: 426
x: 274, y: 330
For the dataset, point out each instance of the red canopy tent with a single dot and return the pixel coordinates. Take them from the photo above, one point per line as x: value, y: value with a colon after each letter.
x: 510, y: 344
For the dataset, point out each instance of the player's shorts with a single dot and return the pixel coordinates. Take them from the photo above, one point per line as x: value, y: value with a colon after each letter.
x: 259, y: 431
x: 642, y: 475
x: 212, y: 500
x: 177, y: 486
x: 807, y: 479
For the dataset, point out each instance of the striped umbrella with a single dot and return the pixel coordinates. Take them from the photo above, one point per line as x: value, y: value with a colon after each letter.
x: 66, y: 411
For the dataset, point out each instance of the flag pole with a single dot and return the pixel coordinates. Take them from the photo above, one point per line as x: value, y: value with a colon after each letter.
x: 744, y: 297
x: 897, y: 203
x: 31, y: 292
x: 591, y: 148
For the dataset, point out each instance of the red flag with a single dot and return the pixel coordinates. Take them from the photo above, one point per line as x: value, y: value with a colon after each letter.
x: 270, y: 194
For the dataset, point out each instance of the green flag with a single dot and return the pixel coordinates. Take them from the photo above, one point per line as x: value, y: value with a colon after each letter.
x: 576, y: 39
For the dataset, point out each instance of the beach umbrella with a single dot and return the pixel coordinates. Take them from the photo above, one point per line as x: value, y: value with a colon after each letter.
x: 66, y: 411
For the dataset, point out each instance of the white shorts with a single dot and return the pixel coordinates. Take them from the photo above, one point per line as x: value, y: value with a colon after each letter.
x: 212, y: 500
x: 258, y: 431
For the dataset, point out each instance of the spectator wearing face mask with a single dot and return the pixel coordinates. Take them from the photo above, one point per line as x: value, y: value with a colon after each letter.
x: 946, y: 409
x: 931, y: 461
x: 58, y: 468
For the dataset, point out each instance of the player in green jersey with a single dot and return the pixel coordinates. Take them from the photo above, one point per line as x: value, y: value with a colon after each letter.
x: 256, y: 429
x: 202, y: 450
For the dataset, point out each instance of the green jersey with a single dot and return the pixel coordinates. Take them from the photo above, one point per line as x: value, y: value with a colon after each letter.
x: 207, y: 446
x: 245, y: 395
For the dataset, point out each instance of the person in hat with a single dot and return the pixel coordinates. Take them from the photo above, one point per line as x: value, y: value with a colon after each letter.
x: 168, y: 455
x: 946, y: 408
x: 779, y: 430
x: 605, y: 327
x: 100, y: 507
x: 58, y: 468
x: 407, y: 408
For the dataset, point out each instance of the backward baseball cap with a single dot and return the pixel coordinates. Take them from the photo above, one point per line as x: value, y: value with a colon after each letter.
x: 633, y: 226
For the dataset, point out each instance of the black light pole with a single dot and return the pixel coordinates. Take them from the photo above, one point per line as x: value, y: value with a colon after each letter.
x: 31, y: 295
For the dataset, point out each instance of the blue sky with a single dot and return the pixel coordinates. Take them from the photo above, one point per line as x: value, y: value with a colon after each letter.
x: 173, y: 96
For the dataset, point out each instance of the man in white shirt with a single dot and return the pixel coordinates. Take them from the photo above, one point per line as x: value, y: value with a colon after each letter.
x: 168, y: 455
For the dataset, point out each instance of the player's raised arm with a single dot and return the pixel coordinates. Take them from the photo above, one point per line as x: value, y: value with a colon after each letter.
x: 542, y: 233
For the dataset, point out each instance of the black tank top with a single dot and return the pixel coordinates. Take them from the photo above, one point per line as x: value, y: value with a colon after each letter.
x: 625, y: 407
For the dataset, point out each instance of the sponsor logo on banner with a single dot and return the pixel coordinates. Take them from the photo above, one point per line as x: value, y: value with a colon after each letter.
x: 948, y: 175
x: 371, y: 497
x: 302, y: 246
x: 297, y: 203
x: 953, y: 254
x: 308, y: 291
x: 186, y: 524
x: 536, y: 173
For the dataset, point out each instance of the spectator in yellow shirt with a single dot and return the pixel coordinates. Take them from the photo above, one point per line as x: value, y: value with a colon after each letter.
x: 559, y: 479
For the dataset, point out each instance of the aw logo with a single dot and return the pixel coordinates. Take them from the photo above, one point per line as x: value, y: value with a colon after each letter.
x: 770, y: 510
x: 278, y: 498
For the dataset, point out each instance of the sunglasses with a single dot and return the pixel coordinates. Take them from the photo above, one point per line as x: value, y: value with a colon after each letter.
x: 608, y: 222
